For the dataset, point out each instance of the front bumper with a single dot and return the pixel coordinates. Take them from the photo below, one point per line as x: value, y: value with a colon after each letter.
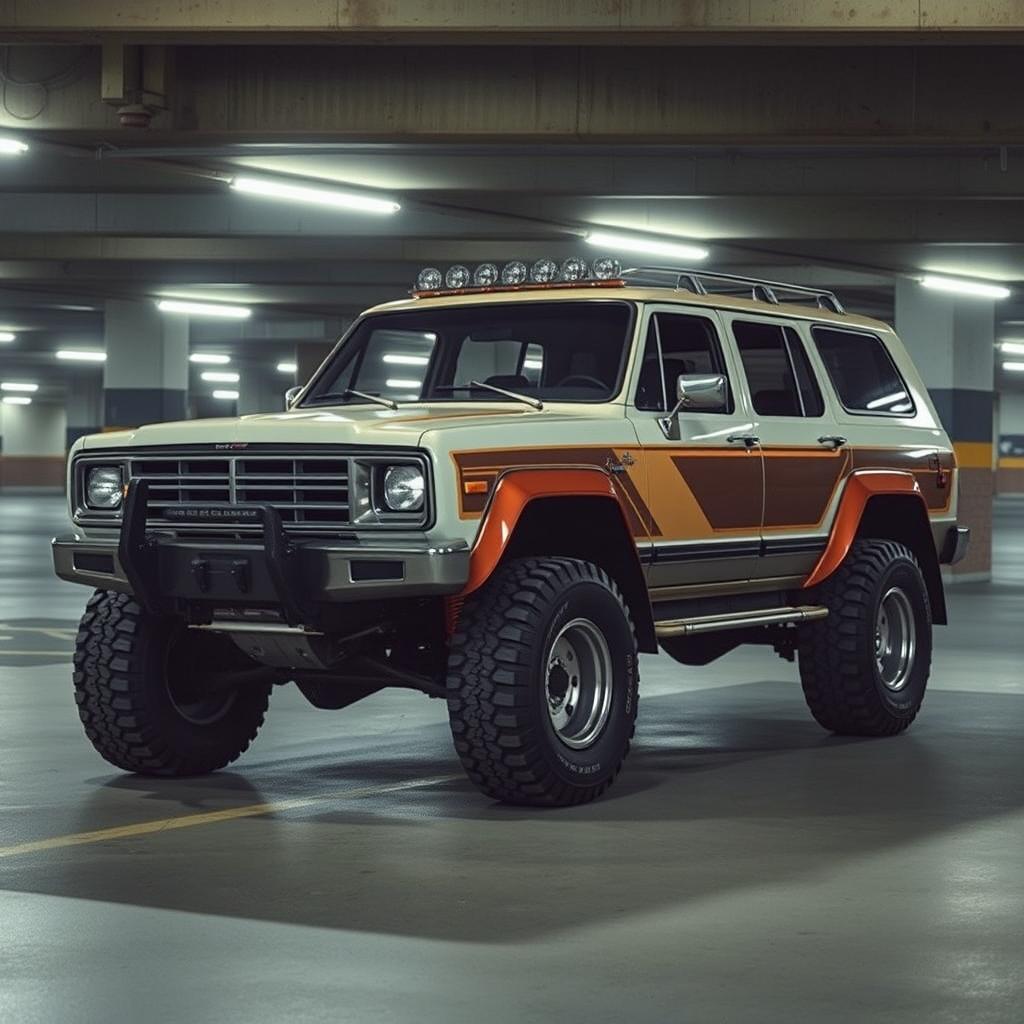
x: 163, y: 571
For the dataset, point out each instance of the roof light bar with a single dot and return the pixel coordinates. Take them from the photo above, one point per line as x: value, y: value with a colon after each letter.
x: 227, y: 395
x: 204, y: 309
x: 209, y: 359
x: 12, y: 147
x: 17, y: 400
x: 7, y: 336
x: 655, y: 246
x: 964, y: 287
x: 516, y: 274
x: 277, y: 189
x: 81, y: 355
x: 219, y: 376
x: 17, y: 385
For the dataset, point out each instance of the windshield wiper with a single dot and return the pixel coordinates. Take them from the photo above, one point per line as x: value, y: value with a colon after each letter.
x: 535, y: 403
x: 334, y: 396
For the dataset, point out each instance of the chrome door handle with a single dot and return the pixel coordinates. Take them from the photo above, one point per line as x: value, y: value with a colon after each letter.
x: 834, y: 441
x: 749, y: 440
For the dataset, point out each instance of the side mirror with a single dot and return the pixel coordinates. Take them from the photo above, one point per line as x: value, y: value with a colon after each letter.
x: 290, y: 395
x: 708, y: 392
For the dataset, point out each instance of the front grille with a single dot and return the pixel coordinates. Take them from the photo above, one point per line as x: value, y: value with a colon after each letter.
x: 309, y: 491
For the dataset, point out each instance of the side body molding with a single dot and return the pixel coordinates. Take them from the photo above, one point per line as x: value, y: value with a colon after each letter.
x: 513, y: 492
x: 861, y: 487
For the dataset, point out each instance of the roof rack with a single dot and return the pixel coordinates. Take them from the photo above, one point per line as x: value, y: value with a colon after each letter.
x: 693, y: 280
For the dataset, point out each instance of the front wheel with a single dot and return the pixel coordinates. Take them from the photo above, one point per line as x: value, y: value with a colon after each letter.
x: 865, y: 667
x: 147, y: 694
x: 542, y: 683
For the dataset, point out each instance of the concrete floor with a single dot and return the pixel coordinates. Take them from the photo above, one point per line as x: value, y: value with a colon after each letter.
x: 746, y: 867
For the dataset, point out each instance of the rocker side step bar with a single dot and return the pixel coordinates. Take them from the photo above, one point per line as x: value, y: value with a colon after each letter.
x: 737, y: 620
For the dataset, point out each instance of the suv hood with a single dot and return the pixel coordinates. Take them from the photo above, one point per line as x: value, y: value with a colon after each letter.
x: 335, y: 425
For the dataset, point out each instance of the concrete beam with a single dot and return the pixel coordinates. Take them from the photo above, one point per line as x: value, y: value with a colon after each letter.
x: 760, y: 96
x: 604, y: 21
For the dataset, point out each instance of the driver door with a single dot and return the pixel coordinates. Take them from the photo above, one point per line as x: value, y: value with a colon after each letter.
x: 705, y: 482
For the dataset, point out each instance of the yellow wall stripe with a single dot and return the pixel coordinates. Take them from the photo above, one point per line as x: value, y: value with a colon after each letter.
x: 1011, y: 462
x: 973, y: 454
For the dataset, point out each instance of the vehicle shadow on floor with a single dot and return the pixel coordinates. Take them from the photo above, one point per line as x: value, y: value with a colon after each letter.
x: 726, y: 789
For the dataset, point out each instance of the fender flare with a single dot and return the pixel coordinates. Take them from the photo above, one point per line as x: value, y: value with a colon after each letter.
x: 861, y: 486
x: 514, y: 491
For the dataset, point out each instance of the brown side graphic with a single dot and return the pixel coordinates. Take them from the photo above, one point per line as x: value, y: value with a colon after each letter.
x: 726, y: 484
x: 799, y: 485
x: 933, y: 469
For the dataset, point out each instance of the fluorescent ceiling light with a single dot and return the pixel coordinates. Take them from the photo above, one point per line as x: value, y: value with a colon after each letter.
x: 17, y: 400
x: 287, y: 368
x: 82, y: 355
x: 1012, y: 348
x: 229, y: 395
x: 877, y: 403
x: 1015, y: 367
x: 6, y: 336
x: 401, y: 382
x: 14, y: 385
x: 962, y: 287
x: 204, y: 309
x: 219, y: 376
x: 209, y: 359
x: 400, y: 359
x: 12, y: 147
x: 654, y: 246
x: 533, y: 364
x: 277, y: 189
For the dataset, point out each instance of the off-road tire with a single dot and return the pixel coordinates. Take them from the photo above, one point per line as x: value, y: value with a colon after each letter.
x: 838, y: 670
x: 124, y: 703
x: 497, y: 671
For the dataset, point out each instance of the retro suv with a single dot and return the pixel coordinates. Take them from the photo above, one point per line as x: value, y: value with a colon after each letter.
x: 498, y: 492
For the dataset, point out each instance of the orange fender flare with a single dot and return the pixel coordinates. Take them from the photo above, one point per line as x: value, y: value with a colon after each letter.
x: 861, y: 487
x: 514, y: 491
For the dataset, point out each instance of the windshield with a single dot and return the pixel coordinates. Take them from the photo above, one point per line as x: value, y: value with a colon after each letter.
x: 562, y: 351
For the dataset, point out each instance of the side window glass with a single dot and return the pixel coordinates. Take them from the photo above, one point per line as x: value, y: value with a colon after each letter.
x: 864, y: 375
x: 688, y: 345
x: 777, y: 370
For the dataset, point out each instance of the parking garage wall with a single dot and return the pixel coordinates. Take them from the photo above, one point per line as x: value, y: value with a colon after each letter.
x: 32, y: 439
x: 1010, y: 466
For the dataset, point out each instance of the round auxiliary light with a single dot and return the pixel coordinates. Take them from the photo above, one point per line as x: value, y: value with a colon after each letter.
x: 103, y: 487
x: 429, y: 279
x: 544, y: 271
x: 403, y: 488
x: 485, y: 275
x: 514, y: 272
x: 606, y: 267
x: 457, y: 277
x: 574, y: 269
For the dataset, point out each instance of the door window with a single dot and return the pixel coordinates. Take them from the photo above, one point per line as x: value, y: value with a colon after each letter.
x: 778, y: 372
x: 676, y: 344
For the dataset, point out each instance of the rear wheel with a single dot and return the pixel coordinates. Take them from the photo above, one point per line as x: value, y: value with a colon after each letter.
x: 864, y: 669
x: 147, y: 692
x: 542, y: 682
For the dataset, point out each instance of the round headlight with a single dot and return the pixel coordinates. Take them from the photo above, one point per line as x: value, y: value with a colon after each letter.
x: 544, y: 271
x: 403, y: 488
x: 103, y: 487
x: 457, y: 277
x: 514, y: 272
x: 485, y: 275
x: 429, y: 279
x: 606, y: 267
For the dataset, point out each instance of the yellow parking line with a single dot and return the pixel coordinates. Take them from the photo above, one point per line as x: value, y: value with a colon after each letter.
x: 145, y: 828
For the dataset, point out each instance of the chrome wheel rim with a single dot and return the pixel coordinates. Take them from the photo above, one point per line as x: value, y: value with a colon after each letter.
x: 895, y: 639
x: 578, y: 683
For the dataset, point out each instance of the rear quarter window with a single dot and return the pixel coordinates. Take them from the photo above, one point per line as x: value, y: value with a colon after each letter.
x: 863, y: 372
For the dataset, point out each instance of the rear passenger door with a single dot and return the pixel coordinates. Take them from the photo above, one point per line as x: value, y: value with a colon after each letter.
x: 805, y: 459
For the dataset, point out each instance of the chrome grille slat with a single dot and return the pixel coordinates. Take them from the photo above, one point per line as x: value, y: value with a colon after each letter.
x: 310, y: 492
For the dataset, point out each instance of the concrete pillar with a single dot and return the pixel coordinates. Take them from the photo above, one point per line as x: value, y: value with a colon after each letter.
x: 32, y: 439
x: 145, y: 377
x: 84, y: 403
x: 262, y: 389
x: 1010, y: 474
x: 952, y: 341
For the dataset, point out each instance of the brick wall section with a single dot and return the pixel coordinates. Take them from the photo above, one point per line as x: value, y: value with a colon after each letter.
x: 975, y: 511
x: 32, y: 471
